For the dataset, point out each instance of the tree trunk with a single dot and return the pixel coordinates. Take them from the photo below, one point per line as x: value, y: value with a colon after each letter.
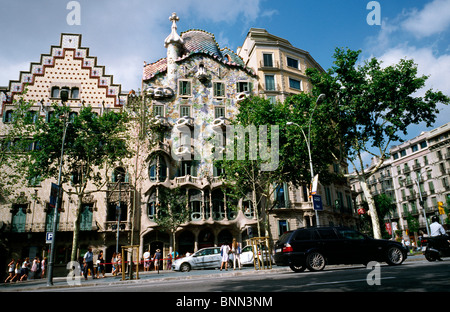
x: 372, y: 209
x: 76, y: 229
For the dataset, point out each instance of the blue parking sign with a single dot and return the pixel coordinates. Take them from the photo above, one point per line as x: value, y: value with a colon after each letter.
x: 48, y: 237
x: 317, y: 202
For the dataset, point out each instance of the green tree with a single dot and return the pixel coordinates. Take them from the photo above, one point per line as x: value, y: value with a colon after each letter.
x: 246, y: 172
x: 172, y: 210
x: 93, y: 145
x: 370, y: 107
x: 12, y: 153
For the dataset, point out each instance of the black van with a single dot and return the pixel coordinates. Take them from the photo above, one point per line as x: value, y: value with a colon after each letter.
x: 315, y: 247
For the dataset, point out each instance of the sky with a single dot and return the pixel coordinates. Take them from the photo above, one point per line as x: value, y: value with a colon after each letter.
x: 123, y: 34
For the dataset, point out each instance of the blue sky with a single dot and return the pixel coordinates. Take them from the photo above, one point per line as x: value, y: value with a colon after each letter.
x: 125, y: 33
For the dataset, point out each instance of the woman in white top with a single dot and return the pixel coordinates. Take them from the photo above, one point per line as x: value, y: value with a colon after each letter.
x: 224, y: 251
x: 10, y: 270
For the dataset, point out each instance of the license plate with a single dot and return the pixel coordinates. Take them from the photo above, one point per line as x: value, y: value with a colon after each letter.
x: 278, y: 250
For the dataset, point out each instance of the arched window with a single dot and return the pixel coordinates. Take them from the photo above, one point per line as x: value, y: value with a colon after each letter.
x: 19, y: 218
x: 8, y: 116
x: 55, y: 92
x: 75, y: 93
x: 119, y: 174
x: 151, y: 207
x: 86, y: 217
x: 195, y: 204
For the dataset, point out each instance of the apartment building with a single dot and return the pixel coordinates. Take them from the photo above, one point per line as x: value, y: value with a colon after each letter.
x: 281, y: 70
x: 416, y: 177
x: 281, y: 67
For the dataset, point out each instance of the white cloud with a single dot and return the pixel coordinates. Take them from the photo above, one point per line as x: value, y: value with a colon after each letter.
x: 121, y: 34
x: 433, y: 19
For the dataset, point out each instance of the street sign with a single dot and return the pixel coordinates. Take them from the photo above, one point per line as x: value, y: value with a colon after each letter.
x: 48, y: 237
x: 53, y: 195
x: 317, y: 201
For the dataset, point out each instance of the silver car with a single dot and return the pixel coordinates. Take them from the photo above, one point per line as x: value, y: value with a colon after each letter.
x: 206, y: 258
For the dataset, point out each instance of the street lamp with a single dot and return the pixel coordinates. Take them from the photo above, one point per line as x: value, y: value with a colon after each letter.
x: 308, y: 142
x: 64, y: 97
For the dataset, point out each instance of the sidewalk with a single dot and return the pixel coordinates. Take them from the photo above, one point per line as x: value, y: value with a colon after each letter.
x: 164, y: 275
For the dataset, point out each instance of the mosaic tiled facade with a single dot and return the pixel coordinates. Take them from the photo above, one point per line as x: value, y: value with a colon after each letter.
x: 194, y: 91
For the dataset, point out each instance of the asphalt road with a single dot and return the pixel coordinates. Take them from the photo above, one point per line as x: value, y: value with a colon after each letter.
x: 418, y: 276
x: 415, y: 283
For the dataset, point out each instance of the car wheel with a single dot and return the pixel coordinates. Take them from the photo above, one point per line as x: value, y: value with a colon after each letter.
x: 429, y: 256
x: 185, y: 267
x: 395, y: 256
x: 297, y: 268
x: 315, y: 261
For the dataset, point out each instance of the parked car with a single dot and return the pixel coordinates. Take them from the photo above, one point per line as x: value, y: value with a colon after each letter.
x: 206, y: 258
x: 247, y: 255
x: 315, y: 247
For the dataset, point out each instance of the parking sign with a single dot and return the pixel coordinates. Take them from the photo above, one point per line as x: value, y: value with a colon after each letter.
x: 48, y: 237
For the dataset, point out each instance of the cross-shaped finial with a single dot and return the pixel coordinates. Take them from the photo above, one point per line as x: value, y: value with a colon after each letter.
x: 174, y: 18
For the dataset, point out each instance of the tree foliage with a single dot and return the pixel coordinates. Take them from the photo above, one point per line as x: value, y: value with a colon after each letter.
x: 372, y: 106
x: 93, y: 144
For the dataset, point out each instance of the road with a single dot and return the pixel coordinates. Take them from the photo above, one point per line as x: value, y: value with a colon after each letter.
x: 417, y: 276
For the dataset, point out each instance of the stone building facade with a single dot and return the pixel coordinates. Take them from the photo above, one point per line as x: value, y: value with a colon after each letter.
x: 26, y: 219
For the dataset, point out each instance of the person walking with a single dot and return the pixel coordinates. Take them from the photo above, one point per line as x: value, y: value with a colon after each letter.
x: 169, y: 261
x: 43, y: 267
x: 100, y: 264
x: 224, y: 252
x: 34, y: 268
x: 17, y: 271
x: 24, y: 269
x: 236, y: 251
x: 10, y: 270
x: 88, y: 260
x: 114, y: 264
x: 157, y: 257
x: 146, y: 260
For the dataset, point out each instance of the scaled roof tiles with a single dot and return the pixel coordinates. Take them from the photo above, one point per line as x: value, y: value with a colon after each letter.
x: 197, y: 42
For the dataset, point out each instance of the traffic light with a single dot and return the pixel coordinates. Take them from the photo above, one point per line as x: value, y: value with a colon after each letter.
x: 441, y: 208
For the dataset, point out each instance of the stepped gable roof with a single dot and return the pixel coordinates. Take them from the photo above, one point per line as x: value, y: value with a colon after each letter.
x: 197, y: 42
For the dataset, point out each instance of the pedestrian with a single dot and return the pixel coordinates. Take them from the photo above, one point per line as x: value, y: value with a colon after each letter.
x: 10, y: 270
x: 236, y: 251
x: 43, y: 267
x: 17, y: 272
x: 224, y: 252
x: 88, y: 263
x: 24, y: 269
x: 157, y: 257
x: 34, y: 268
x: 114, y: 264
x: 146, y: 260
x: 169, y: 261
x: 119, y: 262
x: 100, y: 264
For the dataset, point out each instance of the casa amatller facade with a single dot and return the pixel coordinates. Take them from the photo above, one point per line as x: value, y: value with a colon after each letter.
x: 189, y: 96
